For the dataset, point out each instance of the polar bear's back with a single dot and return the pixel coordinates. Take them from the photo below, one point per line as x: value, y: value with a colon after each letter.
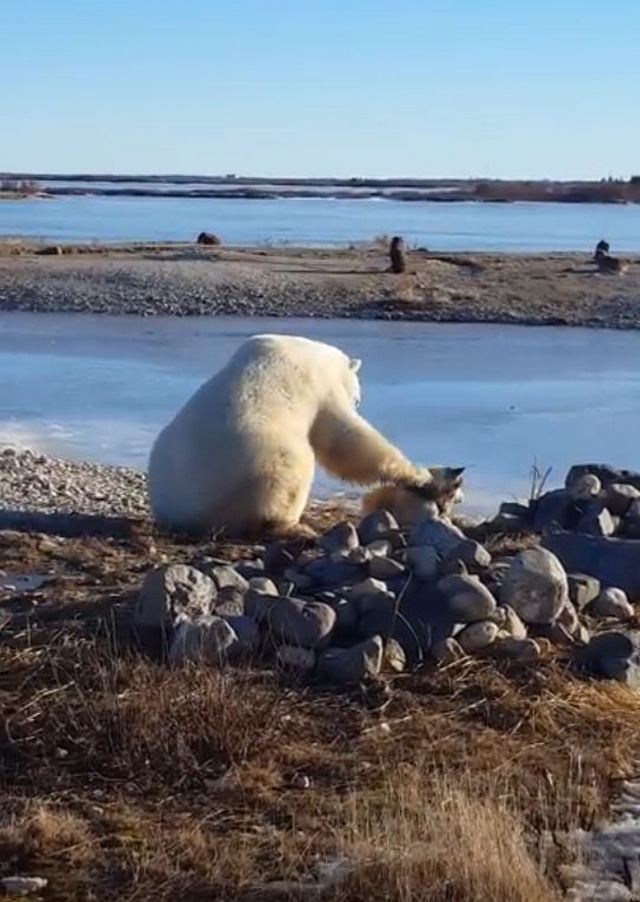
x: 234, y: 425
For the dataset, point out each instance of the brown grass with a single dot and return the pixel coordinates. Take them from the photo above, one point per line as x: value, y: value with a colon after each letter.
x: 121, y: 779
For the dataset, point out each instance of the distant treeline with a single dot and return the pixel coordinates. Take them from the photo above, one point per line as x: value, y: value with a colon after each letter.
x: 406, y: 189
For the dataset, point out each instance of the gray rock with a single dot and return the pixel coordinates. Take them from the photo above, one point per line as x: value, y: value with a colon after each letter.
x: 451, y: 566
x: 340, y: 537
x: 380, y: 548
x: 555, y: 633
x: 438, y: 534
x: 423, y: 561
x: 229, y: 603
x: 227, y: 577
x: 263, y: 585
x: 351, y: 665
x: 346, y: 616
x: 583, y: 589
x: 551, y: 511
x: 597, y: 522
x: 385, y: 568
x: 296, y: 622
x: 613, y: 602
x: 251, y: 569
x: 448, y: 651
x: 170, y: 591
x: 584, y: 487
x: 328, y: 573
x: 367, y: 587
x: 379, y: 620
x: 466, y: 599
x: 605, y: 474
x: 473, y: 555
x: 518, y: 649
x: 623, y: 670
x: 206, y: 640
x: 377, y: 525
x: 294, y: 658
x: 299, y: 579
x: 619, y: 496
x: 535, y: 586
x: 477, y: 636
x: 612, y: 655
x: 257, y: 605
x: 247, y: 631
x: 354, y: 556
x: 615, y: 562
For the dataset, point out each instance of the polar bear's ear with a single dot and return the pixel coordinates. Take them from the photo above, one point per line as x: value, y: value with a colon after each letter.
x: 354, y: 364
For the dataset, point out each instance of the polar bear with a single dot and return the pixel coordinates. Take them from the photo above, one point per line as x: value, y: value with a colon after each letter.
x: 239, y: 457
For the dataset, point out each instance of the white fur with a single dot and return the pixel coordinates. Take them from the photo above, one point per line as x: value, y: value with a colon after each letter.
x: 241, y: 453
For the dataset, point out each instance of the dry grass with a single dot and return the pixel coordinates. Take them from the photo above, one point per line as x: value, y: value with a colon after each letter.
x: 120, y: 779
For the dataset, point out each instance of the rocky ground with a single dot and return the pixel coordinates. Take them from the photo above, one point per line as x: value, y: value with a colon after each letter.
x: 188, y: 280
x: 247, y: 721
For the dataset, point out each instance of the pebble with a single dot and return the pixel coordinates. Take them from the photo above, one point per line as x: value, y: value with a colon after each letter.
x: 477, y: 636
x: 352, y: 665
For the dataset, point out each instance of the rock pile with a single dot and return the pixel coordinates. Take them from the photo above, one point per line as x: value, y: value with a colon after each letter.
x: 385, y: 596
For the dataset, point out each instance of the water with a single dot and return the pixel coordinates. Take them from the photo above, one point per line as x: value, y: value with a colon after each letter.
x: 491, y: 397
x: 323, y: 221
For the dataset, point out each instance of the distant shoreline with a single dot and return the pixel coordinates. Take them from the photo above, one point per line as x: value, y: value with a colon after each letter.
x: 407, y: 189
x: 189, y: 280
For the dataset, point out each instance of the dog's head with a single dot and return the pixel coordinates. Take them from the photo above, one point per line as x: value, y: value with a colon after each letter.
x: 443, y: 485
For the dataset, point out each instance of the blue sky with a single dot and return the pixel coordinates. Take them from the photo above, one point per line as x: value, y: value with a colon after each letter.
x: 321, y: 87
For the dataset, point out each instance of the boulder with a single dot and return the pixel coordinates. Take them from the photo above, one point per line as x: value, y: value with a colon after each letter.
x: 263, y: 585
x: 385, y: 568
x: 606, y: 474
x: 584, y: 487
x: 205, y: 640
x: 227, y: 577
x: 613, y: 655
x: 257, y: 605
x: 294, y: 658
x: 340, y: 537
x: 438, y: 534
x: 618, y: 497
x: 170, y: 591
x: 423, y: 561
x: 208, y: 239
x: 518, y: 649
x: 535, y: 586
x: 477, y: 636
x: 378, y: 525
x: 247, y: 631
x: 613, y: 602
x: 466, y: 599
x: 380, y: 548
x: 583, y: 589
x: 615, y: 562
x: 296, y: 622
x: 351, y: 665
x: 552, y: 511
x: 473, y: 555
x: 355, y: 556
x: 368, y: 587
x: 329, y: 573
x: 597, y: 521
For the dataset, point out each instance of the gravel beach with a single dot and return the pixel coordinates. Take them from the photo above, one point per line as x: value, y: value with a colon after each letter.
x: 183, y: 280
